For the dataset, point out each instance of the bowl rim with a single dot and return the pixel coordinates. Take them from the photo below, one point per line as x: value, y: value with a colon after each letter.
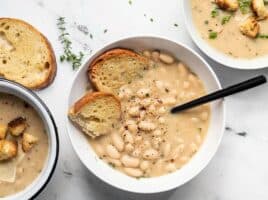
x: 213, y: 53
x: 100, y: 50
x: 25, y: 90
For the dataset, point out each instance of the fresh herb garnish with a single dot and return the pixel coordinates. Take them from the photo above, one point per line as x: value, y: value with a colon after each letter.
x: 213, y: 35
x: 214, y: 13
x: 244, y: 6
x: 206, y: 22
x: 262, y: 36
x: 226, y: 19
x: 68, y: 55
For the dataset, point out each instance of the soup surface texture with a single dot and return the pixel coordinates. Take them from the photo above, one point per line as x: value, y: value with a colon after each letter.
x: 221, y: 30
x: 149, y: 141
x: 22, y: 170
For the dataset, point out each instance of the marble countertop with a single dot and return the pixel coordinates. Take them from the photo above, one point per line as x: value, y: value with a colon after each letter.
x: 240, y: 168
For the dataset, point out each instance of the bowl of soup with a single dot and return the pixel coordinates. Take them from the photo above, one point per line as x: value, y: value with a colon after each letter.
x: 151, y: 150
x: 29, y: 143
x: 233, y: 35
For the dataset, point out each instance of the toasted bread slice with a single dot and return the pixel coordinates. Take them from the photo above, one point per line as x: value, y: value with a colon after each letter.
x: 26, y: 56
x: 96, y: 113
x: 115, y: 68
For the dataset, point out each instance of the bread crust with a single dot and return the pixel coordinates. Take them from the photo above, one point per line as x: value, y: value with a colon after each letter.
x: 53, y: 64
x: 93, y: 66
x: 90, y: 97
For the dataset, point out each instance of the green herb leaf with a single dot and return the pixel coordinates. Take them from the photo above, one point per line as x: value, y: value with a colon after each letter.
x: 68, y: 55
x: 226, y: 19
x: 244, y: 6
x: 213, y: 35
x: 206, y: 22
x: 214, y: 13
x: 262, y: 36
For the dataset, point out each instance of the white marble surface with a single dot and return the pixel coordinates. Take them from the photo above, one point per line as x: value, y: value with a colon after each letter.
x: 239, y: 169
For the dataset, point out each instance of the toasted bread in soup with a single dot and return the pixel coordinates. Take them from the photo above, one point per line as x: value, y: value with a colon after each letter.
x: 115, y: 68
x: 96, y: 113
x: 26, y: 56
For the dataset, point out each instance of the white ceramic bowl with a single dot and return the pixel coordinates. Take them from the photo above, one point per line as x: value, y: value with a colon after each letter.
x: 169, y: 181
x: 224, y: 59
x: 31, y: 191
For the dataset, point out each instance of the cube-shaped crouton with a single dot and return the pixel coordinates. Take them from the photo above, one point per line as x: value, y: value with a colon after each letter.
x: 8, y: 149
x: 17, y: 126
x: 28, y: 141
x: 250, y: 27
x: 230, y: 5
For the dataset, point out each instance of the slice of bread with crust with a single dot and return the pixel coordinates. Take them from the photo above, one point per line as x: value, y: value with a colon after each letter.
x: 96, y: 113
x: 115, y: 68
x: 26, y: 56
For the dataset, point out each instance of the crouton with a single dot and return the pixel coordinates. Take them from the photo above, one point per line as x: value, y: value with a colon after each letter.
x: 230, y: 5
x: 8, y: 149
x: 250, y: 27
x: 28, y: 141
x: 259, y: 9
x: 17, y: 126
x: 3, y: 131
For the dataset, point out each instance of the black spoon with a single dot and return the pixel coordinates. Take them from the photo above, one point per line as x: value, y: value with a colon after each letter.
x: 251, y: 83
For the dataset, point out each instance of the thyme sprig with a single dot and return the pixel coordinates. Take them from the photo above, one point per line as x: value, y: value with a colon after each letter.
x: 68, y: 55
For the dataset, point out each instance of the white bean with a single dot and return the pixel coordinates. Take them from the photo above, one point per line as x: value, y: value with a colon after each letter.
x: 128, y: 137
x: 171, y: 167
x: 112, y: 152
x: 161, y: 120
x: 129, y: 148
x: 144, y: 165
x: 99, y: 149
x: 168, y: 100
x: 157, y: 132
x: 134, y: 111
x: 155, y: 55
x: 161, y: 110
x: 132, y: 126
x: 156, y: 142
x: 129, y: 161
x: 150, y: 154
x: 152, y: 109
x: 146, y: 53
x: 114, y: 162
x: 165, y: 58
x: 117, y: 141
x: 136, y: 153
x: 133, y: 172
x: 147, y: 126
x: 138, y: 138
x: 195, y: 119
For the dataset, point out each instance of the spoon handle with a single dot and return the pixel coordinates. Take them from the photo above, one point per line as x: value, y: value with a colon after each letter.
x: 251, y: 83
